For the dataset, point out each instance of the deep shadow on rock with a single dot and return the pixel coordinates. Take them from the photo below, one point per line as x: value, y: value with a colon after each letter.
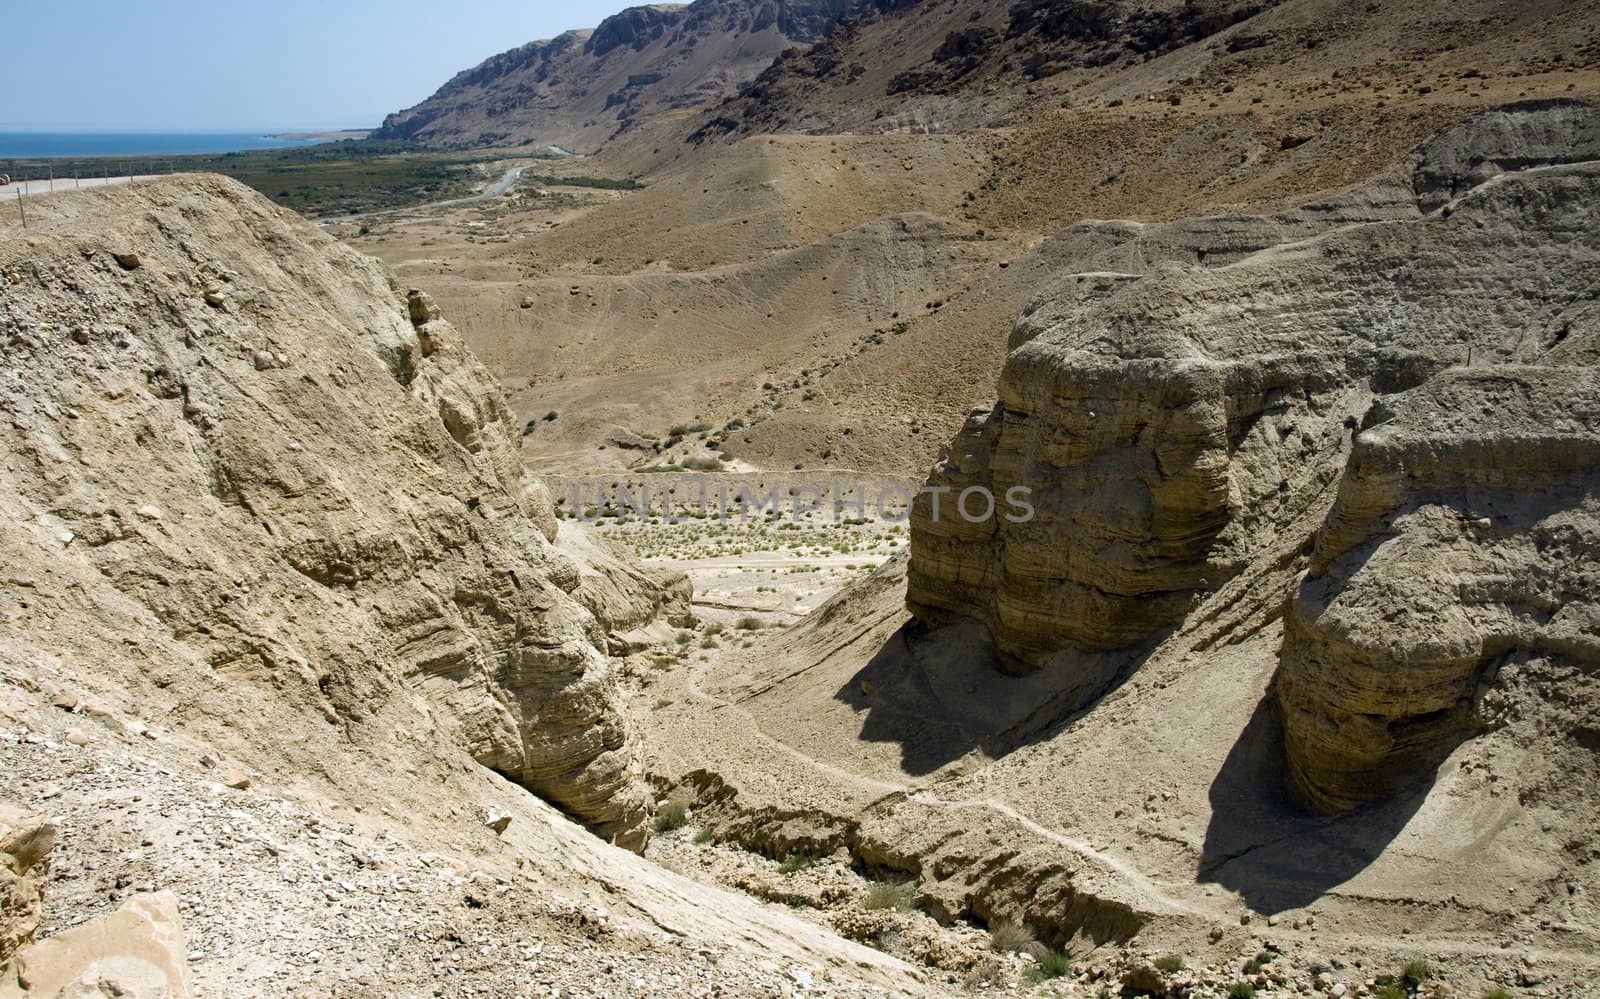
x: 1268, y: 849
x: 943, y: 693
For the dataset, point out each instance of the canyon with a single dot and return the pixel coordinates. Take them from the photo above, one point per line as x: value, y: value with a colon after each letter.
x: 333, y: 662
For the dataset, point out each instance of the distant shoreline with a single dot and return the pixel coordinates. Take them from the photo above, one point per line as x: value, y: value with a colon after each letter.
x: 337, y: 135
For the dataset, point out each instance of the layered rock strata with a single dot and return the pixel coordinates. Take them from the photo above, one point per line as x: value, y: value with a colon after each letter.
x: 1172, y: 426
x: 1465, y: 537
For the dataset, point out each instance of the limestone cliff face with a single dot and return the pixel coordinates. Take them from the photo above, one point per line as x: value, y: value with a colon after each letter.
x: 1176, y: 424
x: 1464, y: 538
x: 261, y: 443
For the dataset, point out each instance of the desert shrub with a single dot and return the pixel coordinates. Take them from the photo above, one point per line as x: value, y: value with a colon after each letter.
x: 683, y: 638
x: 1498, y: 992
x: 987, y: 973
x: 1390, y: 991
x: 1010, y: 936
x: 1414, y: 974
x: 896, y: 895
x: 704, y: 836
x: 702, y: 464
x: 749, y: 624
x: 672, y: 815
x: 1054, y: 964
x: 796, y: 862
x: 715, y: 628
x: 1170, y: 964
x: 1258, y: 962
x: 1242, y: 990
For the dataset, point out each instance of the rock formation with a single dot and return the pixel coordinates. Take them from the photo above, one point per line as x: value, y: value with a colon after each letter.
x: 1175, y: 426
x: 1464, y: 538
x: 25, y: 842
x: 248, y: 438
x: 137, y: 952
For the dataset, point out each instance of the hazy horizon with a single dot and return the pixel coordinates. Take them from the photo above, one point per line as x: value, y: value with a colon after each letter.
x: 191, y: 67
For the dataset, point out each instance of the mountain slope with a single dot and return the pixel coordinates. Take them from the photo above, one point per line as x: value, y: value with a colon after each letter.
x: 580, y: 88
x: 967, y: 64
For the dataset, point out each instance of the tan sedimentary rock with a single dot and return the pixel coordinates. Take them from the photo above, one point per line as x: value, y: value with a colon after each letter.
x: 1463, y: 539
x: 1174, y: 426
x: 137, y: 952
x: 637, y: 605
x: 25, y: 842
x: 345, y: 525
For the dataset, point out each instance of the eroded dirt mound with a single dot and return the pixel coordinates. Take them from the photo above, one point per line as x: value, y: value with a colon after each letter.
x: 1168, y: 445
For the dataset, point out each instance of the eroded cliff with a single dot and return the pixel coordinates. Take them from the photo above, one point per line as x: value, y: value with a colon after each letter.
x: 1177, y: 424
x: 1463, y: 541
x: 251, y: 440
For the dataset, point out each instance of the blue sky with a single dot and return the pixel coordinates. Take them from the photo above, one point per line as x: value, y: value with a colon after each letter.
x: 174, y: 65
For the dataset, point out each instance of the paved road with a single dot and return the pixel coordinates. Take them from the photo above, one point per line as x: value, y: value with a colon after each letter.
x: 8, y: 192
x: 33, y: 187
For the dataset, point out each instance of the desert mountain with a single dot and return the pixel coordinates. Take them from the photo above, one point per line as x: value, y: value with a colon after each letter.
x: 579, y: 89
x: 314, y: 682
x: 965, y: 64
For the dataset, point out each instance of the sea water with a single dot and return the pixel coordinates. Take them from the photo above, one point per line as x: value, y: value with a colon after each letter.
x: 31, y: 145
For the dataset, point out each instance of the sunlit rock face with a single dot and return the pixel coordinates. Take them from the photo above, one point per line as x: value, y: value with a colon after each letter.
x: 1176, y: 425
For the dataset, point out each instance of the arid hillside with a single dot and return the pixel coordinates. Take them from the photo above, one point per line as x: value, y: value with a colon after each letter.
x: 1297, y: 654
x: 846, y: 298
x: 585, y: 87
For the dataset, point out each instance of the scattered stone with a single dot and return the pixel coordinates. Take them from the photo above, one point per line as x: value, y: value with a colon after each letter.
x: 1144, y: 978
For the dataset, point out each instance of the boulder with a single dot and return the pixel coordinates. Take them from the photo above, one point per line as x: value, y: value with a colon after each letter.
x: 137, y: 952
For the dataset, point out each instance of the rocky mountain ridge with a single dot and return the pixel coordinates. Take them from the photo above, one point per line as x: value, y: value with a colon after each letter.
x: 579, y: 89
